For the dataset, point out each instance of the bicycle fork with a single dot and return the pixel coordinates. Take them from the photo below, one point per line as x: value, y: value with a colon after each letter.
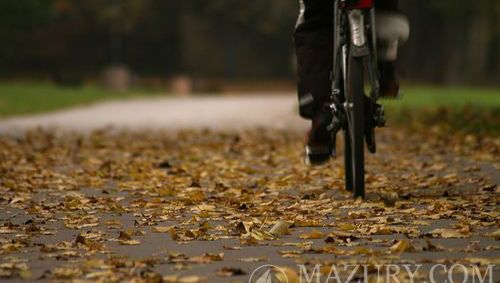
x: 359, y: 47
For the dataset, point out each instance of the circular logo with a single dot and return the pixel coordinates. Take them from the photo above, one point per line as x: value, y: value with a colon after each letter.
x: 268, y: 274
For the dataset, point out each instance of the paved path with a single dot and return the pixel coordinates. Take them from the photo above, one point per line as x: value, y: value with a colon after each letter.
x: 130, y: 207
x: 145, y: 205
x: 172, y: 113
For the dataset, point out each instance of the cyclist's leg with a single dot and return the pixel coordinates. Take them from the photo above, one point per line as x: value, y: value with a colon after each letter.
x: 392, y: 28
x: 314, y: 50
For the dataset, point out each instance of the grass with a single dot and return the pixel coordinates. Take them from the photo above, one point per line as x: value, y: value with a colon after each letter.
x: 417, y: 97
x: 32, y: 98
x: 454, y: 109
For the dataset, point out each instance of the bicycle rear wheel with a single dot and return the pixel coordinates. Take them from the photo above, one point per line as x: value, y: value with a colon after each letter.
x: 355, y: 127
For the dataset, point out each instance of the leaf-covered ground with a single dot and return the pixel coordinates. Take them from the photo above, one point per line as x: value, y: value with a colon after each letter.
x: 211, y: 207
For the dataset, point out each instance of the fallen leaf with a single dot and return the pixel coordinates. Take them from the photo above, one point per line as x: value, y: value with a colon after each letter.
x: 280, y: 228
x: 163, y: 229
x: 230, y: 271
x: 129, y: 242
x: 314, y: 234
x: 402, y: 246
x: 447, y: 233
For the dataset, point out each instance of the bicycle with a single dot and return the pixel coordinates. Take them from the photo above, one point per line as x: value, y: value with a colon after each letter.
x: 353, y: 112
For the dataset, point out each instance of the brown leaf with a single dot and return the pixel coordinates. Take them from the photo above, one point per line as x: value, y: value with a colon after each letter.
x: 124, y: 236
x: 314, y: 234
x: 163, y: 229
x: 230, y: 271
x: 402, y: 246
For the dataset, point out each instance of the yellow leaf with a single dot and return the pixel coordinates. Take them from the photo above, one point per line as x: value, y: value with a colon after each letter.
x: 280, y: 228
x: 287, y: 275
x: 162, y: 229
x: 401, y: 246
x: 191, y: 279
x: 347, y: 226
x: 448, y: 233
x: 314, y: 234
x: 130, y: 242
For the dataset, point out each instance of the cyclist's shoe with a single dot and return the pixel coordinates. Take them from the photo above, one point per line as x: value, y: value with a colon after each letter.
x: 389, y: 82
x: 319, y: 140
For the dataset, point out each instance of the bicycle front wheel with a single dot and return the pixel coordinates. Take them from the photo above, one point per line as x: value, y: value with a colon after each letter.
x: 356, y: 124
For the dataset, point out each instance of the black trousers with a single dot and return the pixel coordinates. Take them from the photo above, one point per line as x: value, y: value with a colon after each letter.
x: 314, y: 49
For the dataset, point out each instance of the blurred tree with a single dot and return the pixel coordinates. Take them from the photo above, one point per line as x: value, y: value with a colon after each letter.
x: 260, y: 15
x: 24, y: 15
x: 119, y: 17
x: 460, y: 36
x: 231, y: 31
x: 234, y: 39
x: 18, y: 18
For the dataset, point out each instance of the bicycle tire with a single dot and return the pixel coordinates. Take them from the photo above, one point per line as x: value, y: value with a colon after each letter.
x: 356, y: 123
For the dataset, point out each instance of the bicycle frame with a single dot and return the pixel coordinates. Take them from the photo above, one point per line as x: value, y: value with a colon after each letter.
x: 364, y: 47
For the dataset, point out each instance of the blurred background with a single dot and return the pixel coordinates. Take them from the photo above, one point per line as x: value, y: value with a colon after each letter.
x: 56, y: 53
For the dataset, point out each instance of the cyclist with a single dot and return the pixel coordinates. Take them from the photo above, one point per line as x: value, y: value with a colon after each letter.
x: 314, y: 50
